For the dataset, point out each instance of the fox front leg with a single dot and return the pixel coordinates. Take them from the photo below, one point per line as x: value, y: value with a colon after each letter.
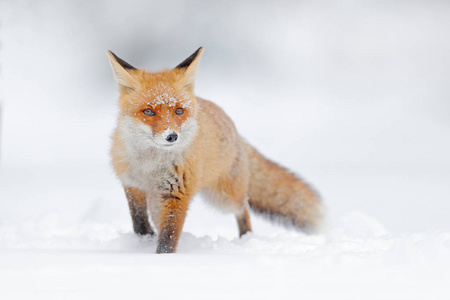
x: 171, y: 221
x: 138, y: 211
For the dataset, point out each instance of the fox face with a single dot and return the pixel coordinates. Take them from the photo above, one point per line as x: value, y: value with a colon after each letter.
x: 157, y: 109
x: 158, y: 114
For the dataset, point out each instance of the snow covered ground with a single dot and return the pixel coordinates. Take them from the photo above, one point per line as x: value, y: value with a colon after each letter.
x: 358, y: 98
x: 70, y: 237
x: 356, y: 259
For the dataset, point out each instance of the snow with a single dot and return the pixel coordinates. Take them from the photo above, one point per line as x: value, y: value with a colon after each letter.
x: 77, y: 242
x: 352, y: 97
x: 96, y: 260
x: 125, y: 275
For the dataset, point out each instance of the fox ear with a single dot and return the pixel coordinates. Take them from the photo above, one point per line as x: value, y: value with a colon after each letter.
x: 121, y: 71
x: 190, y: 66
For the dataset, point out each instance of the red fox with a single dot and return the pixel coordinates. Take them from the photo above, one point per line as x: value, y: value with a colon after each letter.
x: 170, y: 145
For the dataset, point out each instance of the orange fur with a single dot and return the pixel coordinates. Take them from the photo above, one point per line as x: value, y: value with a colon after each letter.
x: 210, y: 157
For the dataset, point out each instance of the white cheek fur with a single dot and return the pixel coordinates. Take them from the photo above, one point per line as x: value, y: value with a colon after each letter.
x: 135, y: 134
x: 139, y: 136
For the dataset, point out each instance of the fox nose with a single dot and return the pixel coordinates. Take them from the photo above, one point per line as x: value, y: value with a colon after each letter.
x: 172, y: 137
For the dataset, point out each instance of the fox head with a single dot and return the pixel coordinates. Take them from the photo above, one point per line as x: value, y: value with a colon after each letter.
x: 157, y: 109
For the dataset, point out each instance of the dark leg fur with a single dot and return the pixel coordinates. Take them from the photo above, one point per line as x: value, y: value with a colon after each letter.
x: 141, y: 224
x: 243, y: 220
x: 138, y: 212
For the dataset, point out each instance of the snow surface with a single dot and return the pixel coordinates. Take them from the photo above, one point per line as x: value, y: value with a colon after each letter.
x: 356, y: 259
x: 353, y: 96
x: 68, y: 235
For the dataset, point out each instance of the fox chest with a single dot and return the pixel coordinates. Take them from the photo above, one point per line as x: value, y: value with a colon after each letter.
x: 154, y: 175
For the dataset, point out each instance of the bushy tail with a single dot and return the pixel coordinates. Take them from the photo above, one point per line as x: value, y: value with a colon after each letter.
x: 281, y: 196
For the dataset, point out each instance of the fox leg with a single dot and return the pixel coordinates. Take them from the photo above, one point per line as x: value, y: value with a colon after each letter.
x: 229, y: 202
x: 231, y: 196
x: 138, y: 210
x: 171, y: 220
x: 243, y: 220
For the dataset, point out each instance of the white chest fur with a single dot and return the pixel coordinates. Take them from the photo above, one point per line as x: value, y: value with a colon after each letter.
x: 149, y: 171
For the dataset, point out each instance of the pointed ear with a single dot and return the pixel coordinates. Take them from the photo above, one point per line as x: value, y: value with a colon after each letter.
x: 121, y: 71
x: 189, y: 66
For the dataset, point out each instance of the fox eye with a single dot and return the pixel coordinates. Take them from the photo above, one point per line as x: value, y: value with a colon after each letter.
x: 179, y: 111
x: 149, y: 112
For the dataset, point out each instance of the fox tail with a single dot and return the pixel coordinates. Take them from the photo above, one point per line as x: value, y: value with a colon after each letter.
x: 276, y: 193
